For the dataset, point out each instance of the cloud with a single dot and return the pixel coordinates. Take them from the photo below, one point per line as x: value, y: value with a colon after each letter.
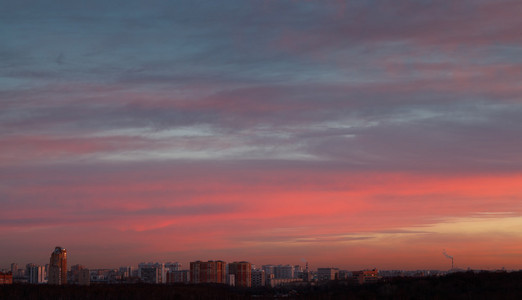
x: 237, y: 126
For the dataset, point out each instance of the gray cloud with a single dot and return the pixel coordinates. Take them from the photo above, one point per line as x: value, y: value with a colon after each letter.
x: 413, y: 86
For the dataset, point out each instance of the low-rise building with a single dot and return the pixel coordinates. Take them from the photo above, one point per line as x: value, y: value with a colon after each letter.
x: 6, y: 278
x: 367, y: 276
x: 273, y: 282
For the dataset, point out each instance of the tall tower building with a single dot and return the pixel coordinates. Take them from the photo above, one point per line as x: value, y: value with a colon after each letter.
x: 58, y: 266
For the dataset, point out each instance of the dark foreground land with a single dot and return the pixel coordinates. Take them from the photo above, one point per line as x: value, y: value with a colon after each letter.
x: 484, y: 285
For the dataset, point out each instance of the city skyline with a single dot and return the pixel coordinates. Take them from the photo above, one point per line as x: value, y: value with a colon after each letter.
x: 241, y: 274
x: 59, y: 270
x: 354, y: 134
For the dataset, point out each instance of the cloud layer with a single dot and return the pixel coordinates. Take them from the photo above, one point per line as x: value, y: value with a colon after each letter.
x: 343, y: 132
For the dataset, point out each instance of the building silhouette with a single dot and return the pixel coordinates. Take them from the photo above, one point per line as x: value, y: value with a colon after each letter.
x: 58, y: 266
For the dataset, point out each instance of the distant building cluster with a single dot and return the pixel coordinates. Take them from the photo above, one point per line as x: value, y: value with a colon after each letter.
x: 240, y: 274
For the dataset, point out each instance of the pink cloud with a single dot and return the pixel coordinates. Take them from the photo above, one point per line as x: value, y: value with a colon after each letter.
x: 226, y: 213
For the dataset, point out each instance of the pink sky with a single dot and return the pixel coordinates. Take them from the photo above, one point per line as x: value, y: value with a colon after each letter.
x: 353, y: 135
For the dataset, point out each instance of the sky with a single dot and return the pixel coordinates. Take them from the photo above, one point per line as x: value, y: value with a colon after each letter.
x: 353, y: 134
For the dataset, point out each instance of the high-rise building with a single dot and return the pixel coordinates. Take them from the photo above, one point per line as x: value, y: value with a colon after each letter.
x: 307, y: 275
x: 231, y: 279
x: 298, y: 271
x: 173, y: 266
x: 17, y: 272
x: 258, y: 278
x: 242, y: 272
x: 28, y: 272
x: 179, y: 276
x: 284, y: 271
x: 46, y: 272
x: 269, y: 271
x: 344, y: 274
x: 14, y: 268
x: 279, y: 271
x: 58, y: 266
x: 325, y: 274
x: 126, y: 271
x: 150, y: 275
x: 35, y: 273
x: 208, y: 272
x: 84, y: 277
x: 159, y: 278
x: 75, y: 273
